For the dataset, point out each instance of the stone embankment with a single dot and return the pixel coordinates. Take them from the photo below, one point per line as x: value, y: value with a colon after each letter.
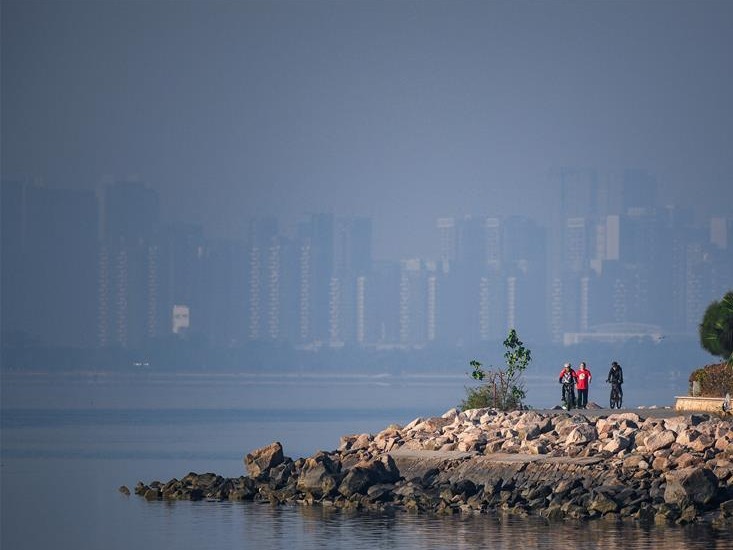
x: 559, y: 466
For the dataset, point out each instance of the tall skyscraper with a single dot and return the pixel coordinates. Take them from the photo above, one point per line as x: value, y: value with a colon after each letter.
x: 316, y: 241
x: 132, y: 305
x: 385, y: 314
x: 351, y: 288
x: 583, y: 199
x: 413, y: 322
x: 525, y: 272
x: 225, y: 276
x: 263, y: 278
x: 462, y: 249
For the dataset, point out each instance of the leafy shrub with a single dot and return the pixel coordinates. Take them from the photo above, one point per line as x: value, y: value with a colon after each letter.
x: 502, y: 388
x: 715, y: 380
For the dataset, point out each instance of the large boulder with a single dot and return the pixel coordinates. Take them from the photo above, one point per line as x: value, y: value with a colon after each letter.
x: 690, y: 485
x: 319, y: 476
x: 367, y: 473
x: 659, y: 440
x: 259, y: 461
x: 602, y: 502
x: 355, y: 442
x: 617, y: 443
x: 581, y: 434
x: 531, y: 425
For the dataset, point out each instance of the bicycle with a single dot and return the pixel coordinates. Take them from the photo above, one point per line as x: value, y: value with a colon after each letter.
x: 568, y: 396
x: 616, y: 397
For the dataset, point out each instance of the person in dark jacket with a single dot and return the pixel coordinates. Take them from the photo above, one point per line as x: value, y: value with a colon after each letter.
x: 616, y: 376
x: 568, y: 377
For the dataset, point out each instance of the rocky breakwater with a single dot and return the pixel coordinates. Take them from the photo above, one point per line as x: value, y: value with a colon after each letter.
x: 559, y: 466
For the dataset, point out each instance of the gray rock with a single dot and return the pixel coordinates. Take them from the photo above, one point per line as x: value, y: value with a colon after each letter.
x: 367, y: 473
x: 690, y: 485
x: 602, y: 503
x: 153, y: 494
x: 259, y: 461
x: 659, y: 440
x: 380, y: 492
x: 618, y: 443
x: 727, y: 508
x: 319, y: 476
x: 356, y: 481
x: 280, y: 474
x: 666, y: 513
x: 581, y: 434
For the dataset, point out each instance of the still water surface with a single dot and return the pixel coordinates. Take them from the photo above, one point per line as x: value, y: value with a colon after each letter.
x: 68, y: 443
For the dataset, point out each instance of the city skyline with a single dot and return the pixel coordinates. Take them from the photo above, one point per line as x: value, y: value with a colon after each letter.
x: 128, y: 276
x: 416, y: 171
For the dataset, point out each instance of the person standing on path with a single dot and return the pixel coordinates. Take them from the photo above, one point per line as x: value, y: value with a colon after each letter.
x: 584, y: 378
x: 568, y: 377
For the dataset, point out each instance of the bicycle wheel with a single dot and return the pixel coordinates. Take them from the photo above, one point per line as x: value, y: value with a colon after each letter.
x: 568, y: 397
x: 615, y: 399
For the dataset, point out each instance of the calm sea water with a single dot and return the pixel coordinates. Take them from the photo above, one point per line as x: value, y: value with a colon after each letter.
x: 68, y: 443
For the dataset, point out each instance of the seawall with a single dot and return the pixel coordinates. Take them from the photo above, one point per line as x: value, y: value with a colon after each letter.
x: 557, y: 465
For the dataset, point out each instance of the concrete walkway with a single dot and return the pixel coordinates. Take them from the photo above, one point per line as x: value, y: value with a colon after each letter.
x: 643, y: 413
x: 500, y: 458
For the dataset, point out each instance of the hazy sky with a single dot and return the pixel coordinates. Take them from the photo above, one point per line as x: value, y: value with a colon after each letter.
x: 401, y: 110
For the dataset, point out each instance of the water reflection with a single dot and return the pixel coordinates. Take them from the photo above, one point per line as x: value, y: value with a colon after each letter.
x: 304, y: 527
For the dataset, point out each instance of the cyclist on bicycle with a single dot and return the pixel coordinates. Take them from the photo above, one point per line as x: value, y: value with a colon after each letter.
x: 616, y: 377
x: 568, y: 378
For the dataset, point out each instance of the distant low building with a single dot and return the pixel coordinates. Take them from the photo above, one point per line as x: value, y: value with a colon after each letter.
x: 614, y: 333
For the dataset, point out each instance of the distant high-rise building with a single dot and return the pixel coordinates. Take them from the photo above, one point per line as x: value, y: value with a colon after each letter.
x: 353, y: 246
x: 185, y: 257
x: 583, y: 235
x: 612, y: 239
x: 493, y: 244
x: 316, y: 242
x: 457, y: 279
x: 49, y: 264
x: 525, y: 269
x: 225, y: 287
x: 276, y: 277
x: 351, y: 295
x: 720, y: 232
x: 641, y: 250
x: 412, y: 303
x: 132, y: 304
x: 575, y: 246
x: 361, y: 312
x: 447, y: 238
x: 385, y: 315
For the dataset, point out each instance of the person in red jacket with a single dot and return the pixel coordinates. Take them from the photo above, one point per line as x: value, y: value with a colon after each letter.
x: 568, y: 377
x: 584, y: 377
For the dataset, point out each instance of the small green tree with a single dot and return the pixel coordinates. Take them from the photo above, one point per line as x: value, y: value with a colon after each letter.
x: 501, y: 389
x: 716, y: 329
